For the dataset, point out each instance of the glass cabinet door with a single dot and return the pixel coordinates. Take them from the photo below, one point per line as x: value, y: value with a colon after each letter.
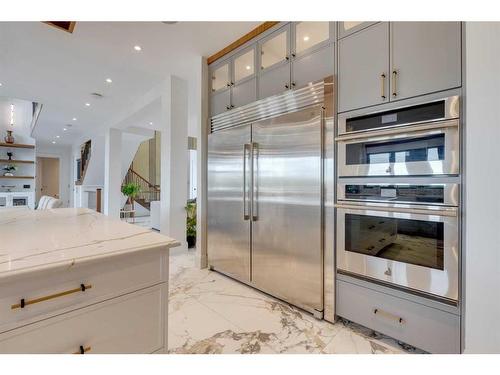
x: 244, y: 65
x: 309, y: 34
x: 274, y: 50
x: 220, y: 77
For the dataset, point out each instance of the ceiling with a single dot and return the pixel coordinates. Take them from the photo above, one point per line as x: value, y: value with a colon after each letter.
x: 61, y: 70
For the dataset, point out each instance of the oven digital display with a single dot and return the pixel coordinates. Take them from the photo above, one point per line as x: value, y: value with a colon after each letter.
x: 424, y: 112
x: 399, y: 193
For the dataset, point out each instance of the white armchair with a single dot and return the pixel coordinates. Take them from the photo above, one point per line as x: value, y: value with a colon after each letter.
x: 47, y: 203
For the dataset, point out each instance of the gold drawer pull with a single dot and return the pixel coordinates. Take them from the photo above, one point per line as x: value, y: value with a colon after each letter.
x: 24, y: 303
x: 389, y: 315
x: 83, y: 350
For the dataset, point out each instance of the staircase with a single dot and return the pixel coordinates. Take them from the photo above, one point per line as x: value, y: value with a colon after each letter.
x: 148, y: 193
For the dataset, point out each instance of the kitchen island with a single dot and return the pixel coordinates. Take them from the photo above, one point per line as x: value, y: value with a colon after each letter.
x: 75, y: 281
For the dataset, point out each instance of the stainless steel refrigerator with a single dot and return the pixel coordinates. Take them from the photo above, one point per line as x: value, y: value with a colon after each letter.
x: 266, y: 201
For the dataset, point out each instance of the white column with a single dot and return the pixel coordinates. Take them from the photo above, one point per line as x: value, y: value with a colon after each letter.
x: 482, y: 181
x: 174, y: 160
x: 112, y: 172
x: 201, y: 110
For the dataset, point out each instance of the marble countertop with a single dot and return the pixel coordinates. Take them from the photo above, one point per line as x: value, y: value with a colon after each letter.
x: 33, y: 240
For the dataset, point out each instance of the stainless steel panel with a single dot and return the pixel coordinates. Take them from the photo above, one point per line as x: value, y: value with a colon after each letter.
x: 286, y: 102
x: 228, y: 199
x: 451, y: 111
x: 442, y: 283
x: 287, y: 232
x: 449, y: 165
x: 328, y: 203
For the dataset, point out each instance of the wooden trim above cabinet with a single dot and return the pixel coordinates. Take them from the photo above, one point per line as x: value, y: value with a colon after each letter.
x: 245, y: 38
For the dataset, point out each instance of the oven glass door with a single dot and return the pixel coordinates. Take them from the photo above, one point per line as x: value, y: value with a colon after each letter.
x: 411, y: 250
x: 425, y: 152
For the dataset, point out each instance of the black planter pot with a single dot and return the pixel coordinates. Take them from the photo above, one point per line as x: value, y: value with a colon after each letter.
x: 191, y: 240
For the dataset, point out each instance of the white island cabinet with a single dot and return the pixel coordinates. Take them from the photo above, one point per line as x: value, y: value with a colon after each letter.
x: 76, y: 281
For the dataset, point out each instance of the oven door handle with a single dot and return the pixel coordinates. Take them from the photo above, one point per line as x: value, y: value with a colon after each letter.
x: 441, y: 211
x: 421, y: 128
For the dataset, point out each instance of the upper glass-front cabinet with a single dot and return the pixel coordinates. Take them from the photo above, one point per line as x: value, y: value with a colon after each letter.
x: 350, y: 27
x: 244, y: 65
x: 220, y: 77
x: 275, y: 49
x: 309, y: 34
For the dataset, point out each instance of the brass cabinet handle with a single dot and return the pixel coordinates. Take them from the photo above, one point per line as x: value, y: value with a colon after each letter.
x: 25, y: 303
x: 382, y: 86
x: 394, y: 85
x: 83, y: 350
x: 389, y: 315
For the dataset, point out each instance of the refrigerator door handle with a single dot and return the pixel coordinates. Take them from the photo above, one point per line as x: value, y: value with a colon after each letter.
x: 255, y: 193
x: 246, y: 195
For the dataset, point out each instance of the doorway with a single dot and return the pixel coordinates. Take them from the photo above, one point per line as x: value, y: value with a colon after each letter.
x: 47, y: 177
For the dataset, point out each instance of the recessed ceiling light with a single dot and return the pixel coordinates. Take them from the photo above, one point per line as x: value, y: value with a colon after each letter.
x: 138, y: 48
x: 54, y: 142
x: 306, y: 38
x: 74, y: 118
x: 0, y: 83
x: 58, y: 136
x: 248, y: 67
x: 87, y: 104
x: 151, y: 123
x: 109, y: 80
x: 64, y: 129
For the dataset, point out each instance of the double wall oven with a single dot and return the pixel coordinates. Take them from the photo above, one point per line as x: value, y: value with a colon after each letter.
x: 398, y: 198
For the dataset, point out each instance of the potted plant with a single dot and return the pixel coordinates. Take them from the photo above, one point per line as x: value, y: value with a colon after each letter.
x: 9, y: 168
x: 191, y: 224
x: 131, y: 190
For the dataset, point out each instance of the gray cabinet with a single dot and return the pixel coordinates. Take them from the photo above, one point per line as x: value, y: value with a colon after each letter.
x: 234, y: 82
x: 244, y: 93
x: 289, y: 57
x: 313, y: 66
x: 310, y: 56
x: 274, y: 81
x: 398, y: 60
x: 349, y: 27
x: 220, y: 102
x: 426, y: 57
x: 363, y: 78
x: 433, y: 329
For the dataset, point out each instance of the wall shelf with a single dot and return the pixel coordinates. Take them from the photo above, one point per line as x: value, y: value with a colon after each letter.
x: 16, y: 145
x: 18, y: 177
x: 17, y: 161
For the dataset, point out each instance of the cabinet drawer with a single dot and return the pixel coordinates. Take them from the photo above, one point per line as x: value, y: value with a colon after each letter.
x: 133, y: 323
x: 55, y: 292
x: 424, y: 327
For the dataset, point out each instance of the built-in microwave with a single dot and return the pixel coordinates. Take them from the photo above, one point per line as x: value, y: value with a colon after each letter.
x: 402, y: 234
x: 413, y: 141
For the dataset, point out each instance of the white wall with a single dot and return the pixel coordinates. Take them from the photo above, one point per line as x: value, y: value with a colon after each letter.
x: 66, y: 176
x: 482, y: 205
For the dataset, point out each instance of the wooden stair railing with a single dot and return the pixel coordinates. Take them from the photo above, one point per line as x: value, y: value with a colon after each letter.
x: 148, y: 191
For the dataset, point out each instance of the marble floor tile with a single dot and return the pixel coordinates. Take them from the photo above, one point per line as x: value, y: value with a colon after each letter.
x: 212, y: 313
